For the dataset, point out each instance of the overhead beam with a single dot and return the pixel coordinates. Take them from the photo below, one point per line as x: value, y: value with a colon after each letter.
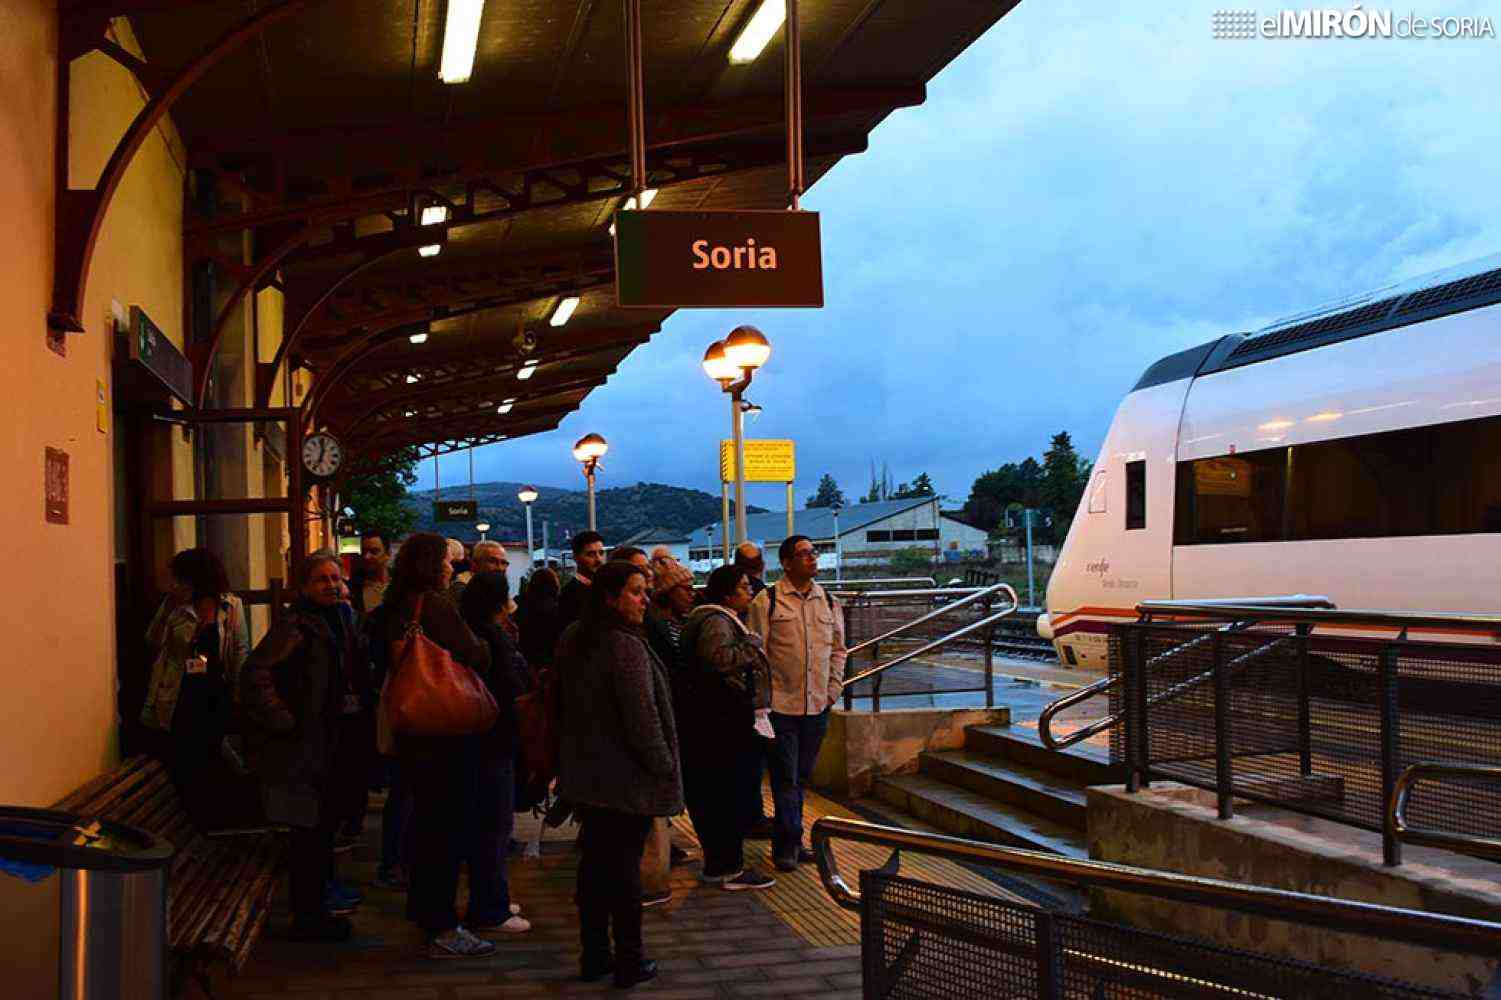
x: 378, y: 413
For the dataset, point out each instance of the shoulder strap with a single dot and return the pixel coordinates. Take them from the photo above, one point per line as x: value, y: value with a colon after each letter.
x: 829, y: 598
x: 771, y: 601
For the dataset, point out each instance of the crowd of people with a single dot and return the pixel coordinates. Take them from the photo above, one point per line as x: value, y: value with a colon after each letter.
x: 660, y: 698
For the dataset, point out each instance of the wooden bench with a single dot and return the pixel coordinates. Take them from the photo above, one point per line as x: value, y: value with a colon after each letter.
x: 220, y: 888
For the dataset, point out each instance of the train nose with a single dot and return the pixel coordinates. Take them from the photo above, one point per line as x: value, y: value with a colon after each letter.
x: 1045, y: 626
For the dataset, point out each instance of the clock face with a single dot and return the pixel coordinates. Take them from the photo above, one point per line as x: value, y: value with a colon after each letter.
x: 321, y: 455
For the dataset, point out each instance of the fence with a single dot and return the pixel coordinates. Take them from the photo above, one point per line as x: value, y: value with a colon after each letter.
x: 1317, y: 712
x: 920, y: 940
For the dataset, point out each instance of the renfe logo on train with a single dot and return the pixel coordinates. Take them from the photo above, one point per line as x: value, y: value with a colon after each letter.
x: 715, y: 259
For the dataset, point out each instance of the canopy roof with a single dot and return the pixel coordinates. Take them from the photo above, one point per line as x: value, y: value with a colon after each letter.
x: 329, y: 131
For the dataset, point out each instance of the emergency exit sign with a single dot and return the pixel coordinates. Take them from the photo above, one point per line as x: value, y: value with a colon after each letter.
x: 672, y: 260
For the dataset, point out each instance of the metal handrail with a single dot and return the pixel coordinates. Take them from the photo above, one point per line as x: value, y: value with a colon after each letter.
x: 1316, y: 616
x: 930, y: 581
x: 1448, y: 933
x: 1045, y: 719
x: 935, y: 644
x: 937, y: 612
x: 1396, y: 808
x: 864, y: 596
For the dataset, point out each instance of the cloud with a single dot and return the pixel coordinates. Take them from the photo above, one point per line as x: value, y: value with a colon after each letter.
x: 1087, y: 188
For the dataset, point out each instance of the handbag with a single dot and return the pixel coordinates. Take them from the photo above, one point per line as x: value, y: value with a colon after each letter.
x: 430, y: 694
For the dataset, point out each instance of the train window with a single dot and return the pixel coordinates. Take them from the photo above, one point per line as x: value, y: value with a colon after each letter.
x: 1136, y: 495
x: 1236, y: 498
x: 1437, y: 480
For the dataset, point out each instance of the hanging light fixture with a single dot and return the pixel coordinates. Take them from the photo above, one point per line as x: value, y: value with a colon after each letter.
x: 564, y: 311
x: 505, y: 407
x: 460, y: 40
x: 418, y: 338
x: 527, y: 370
x: 759, y: 30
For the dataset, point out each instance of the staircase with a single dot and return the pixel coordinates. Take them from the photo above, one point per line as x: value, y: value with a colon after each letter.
x: 1004, y: 787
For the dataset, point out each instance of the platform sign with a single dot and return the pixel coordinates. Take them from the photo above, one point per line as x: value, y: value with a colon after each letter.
x: 456, y: 510
x: 767, y: 460
x: 670, y: 260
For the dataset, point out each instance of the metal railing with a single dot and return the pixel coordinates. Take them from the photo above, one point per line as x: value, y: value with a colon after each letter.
x: 1335, y: 713
x: 1107, y: 684
x: 1396, y: 821
x: 919, y: 939
x: 883, y: 581
x: 984, y: 596
x: 1439, y: 930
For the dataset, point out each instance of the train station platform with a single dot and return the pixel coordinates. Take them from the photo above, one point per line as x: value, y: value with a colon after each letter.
x: 788, y: 941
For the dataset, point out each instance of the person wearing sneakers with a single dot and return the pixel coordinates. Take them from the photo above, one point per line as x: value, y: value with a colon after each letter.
x: 724, y: 685
x: 484, y: 604
x: 803, y: 630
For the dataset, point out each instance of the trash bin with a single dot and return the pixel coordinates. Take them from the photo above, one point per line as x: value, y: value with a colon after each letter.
x: 113, y: 895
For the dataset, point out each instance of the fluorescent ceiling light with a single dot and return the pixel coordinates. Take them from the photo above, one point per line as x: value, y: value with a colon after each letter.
x: 460, y: 39
x: 505, y: 407
x: 564, y: 311
x: 527, y: 370
x: 410, y: 413
x: 431, y: 250
x: 413, y: 379
x: 758, y: 30
x: 418, y: 338
x: 647, y: 196
x: 434, y: 214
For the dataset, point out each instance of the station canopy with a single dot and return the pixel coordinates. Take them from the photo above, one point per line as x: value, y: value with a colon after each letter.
x: 331, y: 139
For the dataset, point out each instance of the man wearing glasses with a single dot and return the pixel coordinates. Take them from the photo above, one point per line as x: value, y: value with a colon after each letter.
x: 803, y: 630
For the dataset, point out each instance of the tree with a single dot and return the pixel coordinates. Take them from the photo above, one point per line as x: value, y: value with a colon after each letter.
x: 1013, y: 484
x: 911, y: 561
x: 922, y: 486
x: 377, y: 496
x: 829, y: 494
x: 1064, y: 477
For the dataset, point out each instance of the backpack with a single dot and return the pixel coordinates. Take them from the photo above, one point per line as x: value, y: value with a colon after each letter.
x: 537, y: 730
x: 771, y: 601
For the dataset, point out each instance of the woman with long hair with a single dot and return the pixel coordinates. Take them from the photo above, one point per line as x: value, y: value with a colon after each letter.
x: 618, y: 762
x: 538, y: 619
x: 440, y: 768
x: 725, y: 681
x: 484, y: 605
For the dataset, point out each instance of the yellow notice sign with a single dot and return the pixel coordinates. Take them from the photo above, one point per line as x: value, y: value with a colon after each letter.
x: 768, y: 460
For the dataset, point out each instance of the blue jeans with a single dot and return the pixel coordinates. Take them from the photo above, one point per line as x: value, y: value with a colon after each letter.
x: 790, y: 761
x: 489, y: 882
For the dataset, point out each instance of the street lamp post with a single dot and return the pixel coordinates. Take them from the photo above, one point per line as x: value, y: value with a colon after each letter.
x: 589, y: 449
x: 732, y: 363
x: 838, y: 548
x: 528, y: 496
x: 482, y: 527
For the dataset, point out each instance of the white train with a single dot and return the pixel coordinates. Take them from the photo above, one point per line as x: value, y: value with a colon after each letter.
x: 1353, y: 451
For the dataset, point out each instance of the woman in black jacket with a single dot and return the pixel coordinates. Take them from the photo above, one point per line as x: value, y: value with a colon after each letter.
x: 440, y: 768
x: 538, y: 619
x: 618, y: 762
x: 484, y: 604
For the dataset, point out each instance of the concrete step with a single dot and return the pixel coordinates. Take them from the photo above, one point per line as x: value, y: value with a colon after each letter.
x: 1080, y: 765
x: 1040, y: 792
x: 970, y: 814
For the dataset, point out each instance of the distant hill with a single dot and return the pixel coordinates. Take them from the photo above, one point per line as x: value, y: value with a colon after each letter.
x: 620, y: 511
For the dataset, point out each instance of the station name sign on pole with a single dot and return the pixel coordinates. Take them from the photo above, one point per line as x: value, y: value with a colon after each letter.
x: 455, y: 510
x: 713, y: 259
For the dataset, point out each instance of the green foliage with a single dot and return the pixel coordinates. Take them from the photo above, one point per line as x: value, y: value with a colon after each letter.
x: 828, y: 494
x: 922, y: 486
x: 1016, y: 484
x: 1064, y: 476
x: 379, y: 497
x: 911, y: 562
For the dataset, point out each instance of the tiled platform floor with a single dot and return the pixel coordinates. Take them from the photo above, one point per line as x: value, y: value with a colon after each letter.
x: 790, y: 941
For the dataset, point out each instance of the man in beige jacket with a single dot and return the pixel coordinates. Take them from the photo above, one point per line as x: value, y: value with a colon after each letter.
x: 803, y: 631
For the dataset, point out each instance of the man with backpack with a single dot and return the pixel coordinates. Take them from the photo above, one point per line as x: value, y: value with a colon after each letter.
x: 803, y: 631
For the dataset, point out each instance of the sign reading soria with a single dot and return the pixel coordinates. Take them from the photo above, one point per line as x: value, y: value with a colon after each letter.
x: 710, y: 259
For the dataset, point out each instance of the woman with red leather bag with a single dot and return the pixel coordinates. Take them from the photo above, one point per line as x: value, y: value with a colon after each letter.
x: 435, y: 733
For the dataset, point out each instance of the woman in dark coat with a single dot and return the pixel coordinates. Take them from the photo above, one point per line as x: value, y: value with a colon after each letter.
x: 292, y: 691
x: 484, y: 604
x: 538, y: 619
x: 440, y: 768
x: 725, y: 681
x: 618, y: 762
